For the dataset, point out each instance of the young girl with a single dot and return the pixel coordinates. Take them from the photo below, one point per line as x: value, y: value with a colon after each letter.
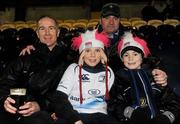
x: 135, y: 97
x: 87, y: 83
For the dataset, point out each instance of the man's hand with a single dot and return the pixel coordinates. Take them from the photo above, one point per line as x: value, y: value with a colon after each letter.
x: 27, y: 50
x: 29, y: 108
x: 160, y: 77
x: 8, y: 105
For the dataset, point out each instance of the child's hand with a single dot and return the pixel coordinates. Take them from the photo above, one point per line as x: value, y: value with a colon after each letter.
x: 53, y: 116
x: 79, y: 122
x: 103, y: 57
x: 81, y: 58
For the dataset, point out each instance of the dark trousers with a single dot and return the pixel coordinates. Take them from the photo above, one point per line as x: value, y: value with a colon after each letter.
x: 95, y: 118
x: 98, y: 118
x: 40, y: 117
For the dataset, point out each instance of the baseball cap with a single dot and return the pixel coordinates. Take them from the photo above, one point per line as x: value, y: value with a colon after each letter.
x: 110, y: 9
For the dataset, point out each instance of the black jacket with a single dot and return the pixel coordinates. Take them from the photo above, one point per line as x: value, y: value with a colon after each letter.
x: 122, y: 96
x: 111, y: 51
x: 40, y: 73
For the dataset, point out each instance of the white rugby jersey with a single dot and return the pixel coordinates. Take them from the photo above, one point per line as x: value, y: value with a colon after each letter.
x: 93, y: 89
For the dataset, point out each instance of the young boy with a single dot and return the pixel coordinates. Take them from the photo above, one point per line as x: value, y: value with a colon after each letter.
x: 135, y: 97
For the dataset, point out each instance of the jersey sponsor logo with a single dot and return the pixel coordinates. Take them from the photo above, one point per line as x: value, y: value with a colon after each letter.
x: 94, y: 92
x: 101, y: 78
x: 85, y: 78
x: 74, y: 98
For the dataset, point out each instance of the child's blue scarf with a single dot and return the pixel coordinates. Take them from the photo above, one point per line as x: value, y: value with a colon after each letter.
x: 142, y: 90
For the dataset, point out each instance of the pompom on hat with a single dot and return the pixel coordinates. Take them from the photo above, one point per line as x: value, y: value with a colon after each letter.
x: 90, y: 39
x: 130, y: 42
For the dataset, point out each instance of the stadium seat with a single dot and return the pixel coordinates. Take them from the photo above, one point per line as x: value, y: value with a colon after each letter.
x: 66, y: 25
x: 173, y: 22
x: 155, y: 22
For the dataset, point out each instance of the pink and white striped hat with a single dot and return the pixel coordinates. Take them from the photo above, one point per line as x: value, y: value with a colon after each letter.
x: 130, y: 42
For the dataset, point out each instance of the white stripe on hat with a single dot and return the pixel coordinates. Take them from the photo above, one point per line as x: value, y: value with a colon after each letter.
x: 89, y: 40
x: 128, y: 41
